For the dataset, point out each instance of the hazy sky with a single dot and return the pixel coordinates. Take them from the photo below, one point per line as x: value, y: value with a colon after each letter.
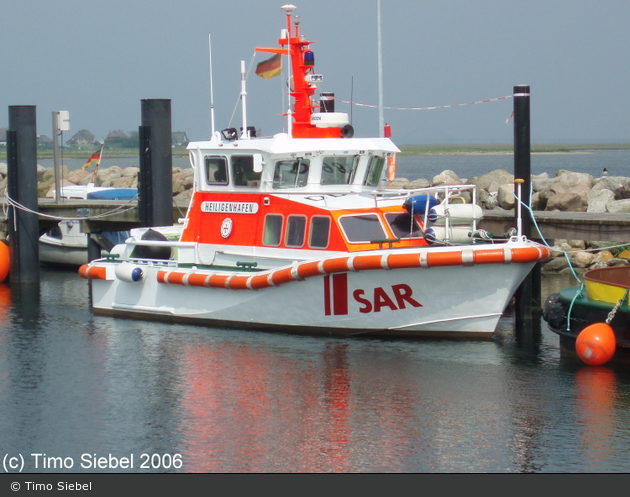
x: 99, y: 59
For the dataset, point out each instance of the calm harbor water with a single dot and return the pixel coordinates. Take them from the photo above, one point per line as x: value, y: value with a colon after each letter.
x: 153, y: 397
x: 465, y: 166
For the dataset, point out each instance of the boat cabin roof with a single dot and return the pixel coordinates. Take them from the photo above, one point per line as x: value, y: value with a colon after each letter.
x: 284, y: 144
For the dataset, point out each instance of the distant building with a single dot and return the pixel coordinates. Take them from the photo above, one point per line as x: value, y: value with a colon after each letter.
x: 82, y: 137
x: 118, y: 134
x: 44, y: 141
x: 179, y: 138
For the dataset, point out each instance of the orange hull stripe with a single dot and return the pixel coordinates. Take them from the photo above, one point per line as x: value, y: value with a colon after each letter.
x: 366, y: 262
x: 239, y: 282
x: 280, y: 276
x: 260, y: 281
x: 197, y: 279
x: 401, y: 261
x: 530, y: 254
x: 92, y: 272
x: 176, y: 278
x: 339, y: 265
x: 444, y: 259
x: 492, y: 256
x: 218, y: 280
x: 309, y: 269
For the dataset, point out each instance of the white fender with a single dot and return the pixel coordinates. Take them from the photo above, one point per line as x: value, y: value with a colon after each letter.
x: 129, y: 272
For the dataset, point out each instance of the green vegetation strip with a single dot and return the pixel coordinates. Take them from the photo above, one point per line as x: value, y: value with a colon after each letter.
x: 85, y: 152
x: 507, y: 149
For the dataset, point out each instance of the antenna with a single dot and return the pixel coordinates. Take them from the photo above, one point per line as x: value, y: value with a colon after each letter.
x: 381, y: 119
x: 245, y: 133
x: 288, y: 9
x: 211, y: 90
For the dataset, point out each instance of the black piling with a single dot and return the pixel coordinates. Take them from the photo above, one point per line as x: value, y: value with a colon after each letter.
x: 23, y: 222
x: 527, y: 296
x: 155, y: 181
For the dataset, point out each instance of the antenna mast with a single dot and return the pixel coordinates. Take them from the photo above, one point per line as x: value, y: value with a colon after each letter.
x: 288, y: 9
x: 211, y: 90
x: 381, y: 119
x: 245, y: 133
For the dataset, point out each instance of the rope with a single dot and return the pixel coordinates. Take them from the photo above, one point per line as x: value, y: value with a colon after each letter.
x: 611, y: 314
x: 426, y: 108
x: 579, y: 293
x: 9, y: 202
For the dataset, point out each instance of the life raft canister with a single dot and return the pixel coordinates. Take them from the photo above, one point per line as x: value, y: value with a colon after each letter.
x: 418, y: 203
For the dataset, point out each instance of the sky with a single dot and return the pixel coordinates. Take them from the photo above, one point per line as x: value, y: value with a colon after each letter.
x: 99, y: 59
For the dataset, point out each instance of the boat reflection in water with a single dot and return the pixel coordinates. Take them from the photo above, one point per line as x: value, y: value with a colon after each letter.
x: 283, y: 417
x: 236, y: 401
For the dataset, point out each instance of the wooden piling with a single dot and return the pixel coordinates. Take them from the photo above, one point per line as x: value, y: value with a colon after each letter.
x: 155, y: 185
x: 23, y: 225
x: 528, y: 295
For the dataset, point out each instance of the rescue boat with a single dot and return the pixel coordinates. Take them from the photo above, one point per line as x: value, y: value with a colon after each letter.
x: 296, y: 232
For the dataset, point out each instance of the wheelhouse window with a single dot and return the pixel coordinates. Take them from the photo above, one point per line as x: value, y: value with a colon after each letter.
x: 403, y: 225
x: 216, y: 170
x: 374, y: 171
x: 243, y: 171
x: 319, y: 232
x: 272, y: 232
x: 339, y: 170
x: 291, y: 173
x: 362, y: 228
x: 296, y: 230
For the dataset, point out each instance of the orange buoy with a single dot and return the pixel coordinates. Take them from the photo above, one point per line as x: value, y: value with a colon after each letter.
x: 5, y: 261
x: 595, y: 344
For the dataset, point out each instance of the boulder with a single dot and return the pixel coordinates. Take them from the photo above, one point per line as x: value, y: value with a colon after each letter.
x: 568, y: 201
x: 446, y: 177
x: 419, y: 183
x: 597, y: 200
x: 398, y: 184
x: 571, y: 179
x: 618, y: 185
x: 491, y: 181
x: 505, y: 196
x: 619, y: 206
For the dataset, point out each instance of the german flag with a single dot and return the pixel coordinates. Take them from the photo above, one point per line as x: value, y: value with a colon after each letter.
x: 96, y: 157
x: 270, y: 67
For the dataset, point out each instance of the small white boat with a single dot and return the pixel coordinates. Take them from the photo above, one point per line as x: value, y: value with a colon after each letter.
x: 65, y: 244
x: 295, y: 232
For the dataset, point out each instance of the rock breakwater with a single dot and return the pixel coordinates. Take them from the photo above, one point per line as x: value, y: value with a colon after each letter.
x: 565, y: 191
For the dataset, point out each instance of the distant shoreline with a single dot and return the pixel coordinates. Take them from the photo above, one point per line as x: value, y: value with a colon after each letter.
x: 412, y: 150
x: 490, y: 152
x: 405, y: 150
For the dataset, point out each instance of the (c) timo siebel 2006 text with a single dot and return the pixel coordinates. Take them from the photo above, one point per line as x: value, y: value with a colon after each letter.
x: 94, y: 461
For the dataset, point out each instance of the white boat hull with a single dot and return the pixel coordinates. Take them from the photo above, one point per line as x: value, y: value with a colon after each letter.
x: 453, y: 301
x: 66, y: 245
x: 62, y: 254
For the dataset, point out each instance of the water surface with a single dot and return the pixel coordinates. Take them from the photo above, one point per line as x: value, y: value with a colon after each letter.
x: 73, y: 384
